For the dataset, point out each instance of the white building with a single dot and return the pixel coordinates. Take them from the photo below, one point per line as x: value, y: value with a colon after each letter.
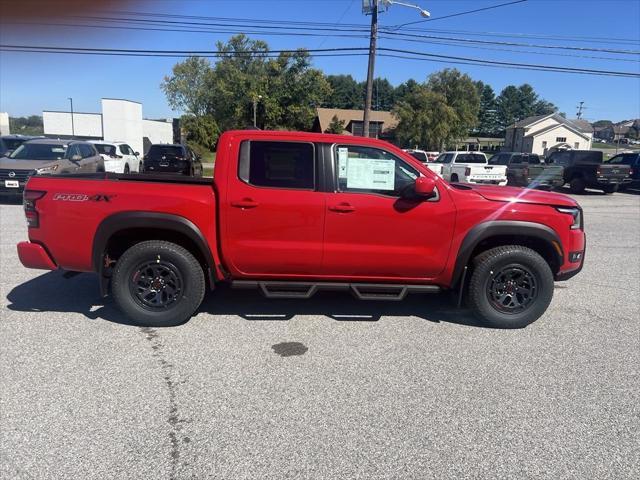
x: 543, y: 133
x: 120, y: 120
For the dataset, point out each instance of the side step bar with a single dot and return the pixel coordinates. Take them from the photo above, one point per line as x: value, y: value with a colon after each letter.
x: 362, y: 291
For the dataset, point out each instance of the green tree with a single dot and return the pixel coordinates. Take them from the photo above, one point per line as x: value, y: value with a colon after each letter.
x: 31, y: 125
x: 488, y: 115
x: 425, y: 119
x: 516, y: 103
x: 186, y: 88
x: 383, y: 94
x: 336, y: 125
x: 459, y: 93
x: 345, y: 92
x: 201, y: 132
x: 405, y: 89
x: 286, y: 89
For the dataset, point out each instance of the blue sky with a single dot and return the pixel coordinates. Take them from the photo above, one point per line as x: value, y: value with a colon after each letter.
x: 30, y: 83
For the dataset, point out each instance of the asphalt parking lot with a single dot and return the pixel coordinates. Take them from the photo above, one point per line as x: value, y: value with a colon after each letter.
x: 327, y: 388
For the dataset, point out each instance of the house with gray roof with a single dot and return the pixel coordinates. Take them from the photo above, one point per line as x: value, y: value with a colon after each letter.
x: 543, y: 134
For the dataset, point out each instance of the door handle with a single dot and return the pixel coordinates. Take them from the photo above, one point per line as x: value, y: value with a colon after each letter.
x: 245, y: 203
x: 342, y: 208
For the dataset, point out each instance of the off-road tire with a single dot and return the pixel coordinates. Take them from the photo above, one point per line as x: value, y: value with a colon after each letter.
x: 454, y: 178
x: 126, y: 169
x: 577, y: 185
x: 609, y: 189
x: 158, y: 253
x: 489, y: 264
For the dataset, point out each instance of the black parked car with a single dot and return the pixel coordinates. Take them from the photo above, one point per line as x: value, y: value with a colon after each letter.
x: 633, y: 161
x: 8, y: 143
x: 584, y: 168
x: 166, y: 158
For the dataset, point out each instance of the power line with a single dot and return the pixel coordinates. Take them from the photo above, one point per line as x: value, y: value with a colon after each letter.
x: 460, y: 13
x: 345, y: 33
x: 342, y: 51
x: 255, y: 21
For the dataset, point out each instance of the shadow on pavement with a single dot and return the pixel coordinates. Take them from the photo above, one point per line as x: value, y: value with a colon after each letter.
x: 50, y: 292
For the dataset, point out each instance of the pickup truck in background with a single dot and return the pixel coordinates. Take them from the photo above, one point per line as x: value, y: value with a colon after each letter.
x: 468, y: 167
x: 527, y: 170
x: 632, y: 160
x: 422, y: 155
x: 584, y: 168
x: 294, y: 213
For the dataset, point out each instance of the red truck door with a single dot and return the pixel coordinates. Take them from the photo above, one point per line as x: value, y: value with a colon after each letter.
x: 274, y: 213
x: 370, y: 231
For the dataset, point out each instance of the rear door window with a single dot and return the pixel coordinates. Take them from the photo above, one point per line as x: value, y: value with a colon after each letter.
x: 277, y: 164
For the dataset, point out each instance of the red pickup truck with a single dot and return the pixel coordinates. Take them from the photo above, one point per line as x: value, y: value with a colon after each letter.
x: 293, y: 213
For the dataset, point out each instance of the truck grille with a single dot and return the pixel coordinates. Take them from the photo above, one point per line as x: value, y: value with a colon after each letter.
x: 20, y: 175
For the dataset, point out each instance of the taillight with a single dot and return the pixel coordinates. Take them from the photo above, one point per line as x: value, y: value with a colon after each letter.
x: 30, y: 198
x: 467, y: 171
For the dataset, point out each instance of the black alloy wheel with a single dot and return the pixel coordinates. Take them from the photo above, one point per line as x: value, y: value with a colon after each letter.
x: 156, y: 285
x: 513, y: 289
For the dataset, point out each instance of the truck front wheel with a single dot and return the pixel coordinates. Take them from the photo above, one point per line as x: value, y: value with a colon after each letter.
x: 511, y: 286
x: 158, y: 284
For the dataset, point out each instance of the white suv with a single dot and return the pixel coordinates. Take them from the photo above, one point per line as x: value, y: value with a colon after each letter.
x: 468, y: 167
x: 118, y: 157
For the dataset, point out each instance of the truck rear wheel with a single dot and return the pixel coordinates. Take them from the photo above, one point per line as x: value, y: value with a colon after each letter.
x: 510, y: 287
x: 158, y: 284
x: 577, y: 185
x: 454, y: 178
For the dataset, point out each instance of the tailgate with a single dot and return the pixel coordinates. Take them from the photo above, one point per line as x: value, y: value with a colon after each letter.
x: 613, y: 173
x: 488, y: 172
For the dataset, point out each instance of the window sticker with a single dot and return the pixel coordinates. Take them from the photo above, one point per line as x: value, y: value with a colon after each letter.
x: 371, y: 174
x: 343, y: 160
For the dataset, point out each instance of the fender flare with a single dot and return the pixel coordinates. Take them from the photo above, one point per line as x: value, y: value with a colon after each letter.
x: 140, y: 219
x: 494, y: 228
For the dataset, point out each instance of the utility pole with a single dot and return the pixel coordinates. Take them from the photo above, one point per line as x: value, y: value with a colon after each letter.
x: 73, y: 132
x: 370, y: 69
x: 373, y: 9
x: 580, y: 108
x: 255, y: 108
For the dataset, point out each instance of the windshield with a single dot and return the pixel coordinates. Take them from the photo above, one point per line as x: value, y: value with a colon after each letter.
x: 105, y: 149
x: 12, y: 143
x: 471, y: 158
x: 499, y: 160
x: 419, y: 156
x: 39, y: 151
x: 622, y: 160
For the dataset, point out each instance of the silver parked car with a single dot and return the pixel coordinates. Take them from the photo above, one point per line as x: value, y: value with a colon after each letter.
x: 46, y: 156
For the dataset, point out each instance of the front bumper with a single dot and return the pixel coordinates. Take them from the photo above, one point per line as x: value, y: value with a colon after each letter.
x: 33, y: 255
x: 573, y: 266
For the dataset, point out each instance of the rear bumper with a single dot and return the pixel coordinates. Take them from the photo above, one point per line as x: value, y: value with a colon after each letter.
x: 33, y: 255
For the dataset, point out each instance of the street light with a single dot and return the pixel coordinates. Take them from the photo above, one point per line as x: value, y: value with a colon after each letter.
x: 424, y: 13
x: 73, y: 131
x: 371, y: 6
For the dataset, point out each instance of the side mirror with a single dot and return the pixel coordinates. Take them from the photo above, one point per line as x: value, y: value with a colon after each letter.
x: 76, y: 158
x: 137, y: 154
x: 425, y: 186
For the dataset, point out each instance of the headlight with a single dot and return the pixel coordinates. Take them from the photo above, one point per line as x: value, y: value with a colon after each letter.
x: 576, y: 213
x: 49, y: 169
